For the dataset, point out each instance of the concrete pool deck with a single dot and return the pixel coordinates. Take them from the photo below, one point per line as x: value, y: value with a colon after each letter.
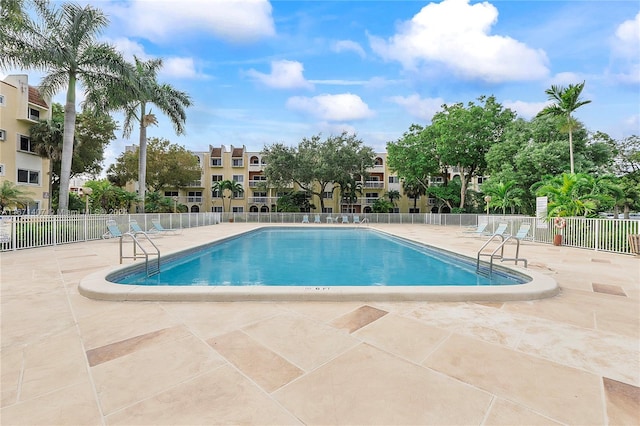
x: 569, y: 359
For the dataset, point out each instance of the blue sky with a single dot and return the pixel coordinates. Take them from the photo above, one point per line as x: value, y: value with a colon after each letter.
x: 262, y: 72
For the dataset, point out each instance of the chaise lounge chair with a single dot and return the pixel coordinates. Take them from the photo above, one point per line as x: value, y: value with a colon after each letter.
x: 317, y: 219
x: 345, y: 219
x: 134, y: 228
x: 479, y: 230
x: 158, y: 228
x: 305, y: 219
x: 113, y: 231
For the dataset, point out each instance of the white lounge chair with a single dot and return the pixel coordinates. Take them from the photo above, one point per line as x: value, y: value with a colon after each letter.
x: 356, y: 219
x: 113, y: 231
x: 305, y: 219
x: 157, y: 227
x: 345, y: 219
x: 479, y: 230
x: 316, y: 219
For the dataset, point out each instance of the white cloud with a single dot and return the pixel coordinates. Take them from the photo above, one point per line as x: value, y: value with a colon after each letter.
x: 627, y: 38
x: 422, y: 108
x: 348, y: 46
x: 342, y: 107
x: 457, y: 35
x: 524, y: 109
x: 129, y: 48
x: 231, y: 20
x: 566, y: 78
x: 284, y: 75
x: 179, y: 68
x: 626, y: 51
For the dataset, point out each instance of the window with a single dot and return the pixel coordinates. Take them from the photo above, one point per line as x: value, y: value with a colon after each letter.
x: 170, y: 193
x: 3, y: 135
x: 216, y: 162
x: 237, y: 162
x: 216, y: 178
x: 238, y: 194
x: 2, y: 101
x: 254, y: 161
x: 24, y: 144
x: 327, y: 210
x: 238, y: 178
x: 216, y: 209
x: 1, y: 169
x: 327, y: 195
x: 34, y: 114
x: 480, y: 180
x: 28, y: 176
x: 412, y: 210
x: 216, y: 194
x: 238, y: 210
x: 194, y: 197
x: 371, y: 195
x: 394, y: 179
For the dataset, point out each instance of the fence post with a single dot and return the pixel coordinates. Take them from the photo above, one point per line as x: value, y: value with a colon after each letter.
x: 597, y: 235
x: 55, y: 230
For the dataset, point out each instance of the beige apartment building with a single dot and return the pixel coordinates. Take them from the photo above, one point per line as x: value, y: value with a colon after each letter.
x: 247, y: 169
x: 21, y: 106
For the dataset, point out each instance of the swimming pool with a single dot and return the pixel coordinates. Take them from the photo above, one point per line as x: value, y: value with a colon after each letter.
x: 100, y: 285
x: 297, y: 256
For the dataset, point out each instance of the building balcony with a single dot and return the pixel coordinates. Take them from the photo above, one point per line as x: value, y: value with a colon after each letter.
x: 375, y: 184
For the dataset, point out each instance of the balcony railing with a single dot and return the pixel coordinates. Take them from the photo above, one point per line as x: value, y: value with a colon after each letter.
x: 374, y: 184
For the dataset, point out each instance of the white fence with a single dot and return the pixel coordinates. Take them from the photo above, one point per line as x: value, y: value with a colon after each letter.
x: 22, y: 232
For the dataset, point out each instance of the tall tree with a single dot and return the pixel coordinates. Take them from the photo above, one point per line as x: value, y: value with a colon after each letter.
x: 464, y: 135
x: 229, y: 186
x: 414, y: 156
x: 137, y: 104
x: 171, y: 166
x: 567, y: 100
x: 314, y: 165
x: 62, y: 42
x: 93, y: 133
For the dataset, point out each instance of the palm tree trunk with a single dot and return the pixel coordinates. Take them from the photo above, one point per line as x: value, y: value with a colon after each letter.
x: 67, y: 145
x: 571, y: 149
x: 142, y: 158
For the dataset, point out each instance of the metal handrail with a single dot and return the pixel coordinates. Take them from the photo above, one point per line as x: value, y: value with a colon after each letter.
x: 137, y: 244
x: 491, y: 255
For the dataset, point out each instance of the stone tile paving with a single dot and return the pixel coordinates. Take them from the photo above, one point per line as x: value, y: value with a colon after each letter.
x: 571, y: 359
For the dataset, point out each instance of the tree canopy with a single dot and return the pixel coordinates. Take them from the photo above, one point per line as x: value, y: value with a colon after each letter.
x: 170, y: 166
x: 565, y: 102
x: 316, y: 164
x: 62, y: 42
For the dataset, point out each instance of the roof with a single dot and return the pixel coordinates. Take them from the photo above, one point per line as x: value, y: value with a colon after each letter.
x: 36, y: 98
x: 237, y: 152
x: 216, y: 152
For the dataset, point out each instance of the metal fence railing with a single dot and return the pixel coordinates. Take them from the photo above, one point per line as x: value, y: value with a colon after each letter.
x: 22, y: 232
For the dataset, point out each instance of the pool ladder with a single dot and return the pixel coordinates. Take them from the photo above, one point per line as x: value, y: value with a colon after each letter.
x: 494, y: 255
x: 151, y: 268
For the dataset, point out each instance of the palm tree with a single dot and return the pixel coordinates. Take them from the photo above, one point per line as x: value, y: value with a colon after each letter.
x: 47, y: 137
x: 503, y: 194
x: 393, y: 195
x: 414, y: 189
x: 227, y: 185
x: 63, y: 44
x: 11, y: 195
x: 577, y: 194
x: 567, y: 100
x: 147, y: 91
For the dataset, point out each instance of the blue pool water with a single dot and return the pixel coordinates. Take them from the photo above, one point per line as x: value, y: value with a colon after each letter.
x: 318, y: 257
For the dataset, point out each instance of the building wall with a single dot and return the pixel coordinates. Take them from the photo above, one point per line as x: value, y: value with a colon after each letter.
x: 21, y: 107
x: 246, y: 167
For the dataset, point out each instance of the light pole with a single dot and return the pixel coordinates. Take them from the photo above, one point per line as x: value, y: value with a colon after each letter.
x: 86, y: 191
x: 487, y: 199
x: 175, y: 204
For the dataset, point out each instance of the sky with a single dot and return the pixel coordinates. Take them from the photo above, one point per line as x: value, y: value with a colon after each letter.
x: 261, y: 72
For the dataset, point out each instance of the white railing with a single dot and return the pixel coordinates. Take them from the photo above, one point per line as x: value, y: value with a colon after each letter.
x: 30, y: 231
x: 21, y: 232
